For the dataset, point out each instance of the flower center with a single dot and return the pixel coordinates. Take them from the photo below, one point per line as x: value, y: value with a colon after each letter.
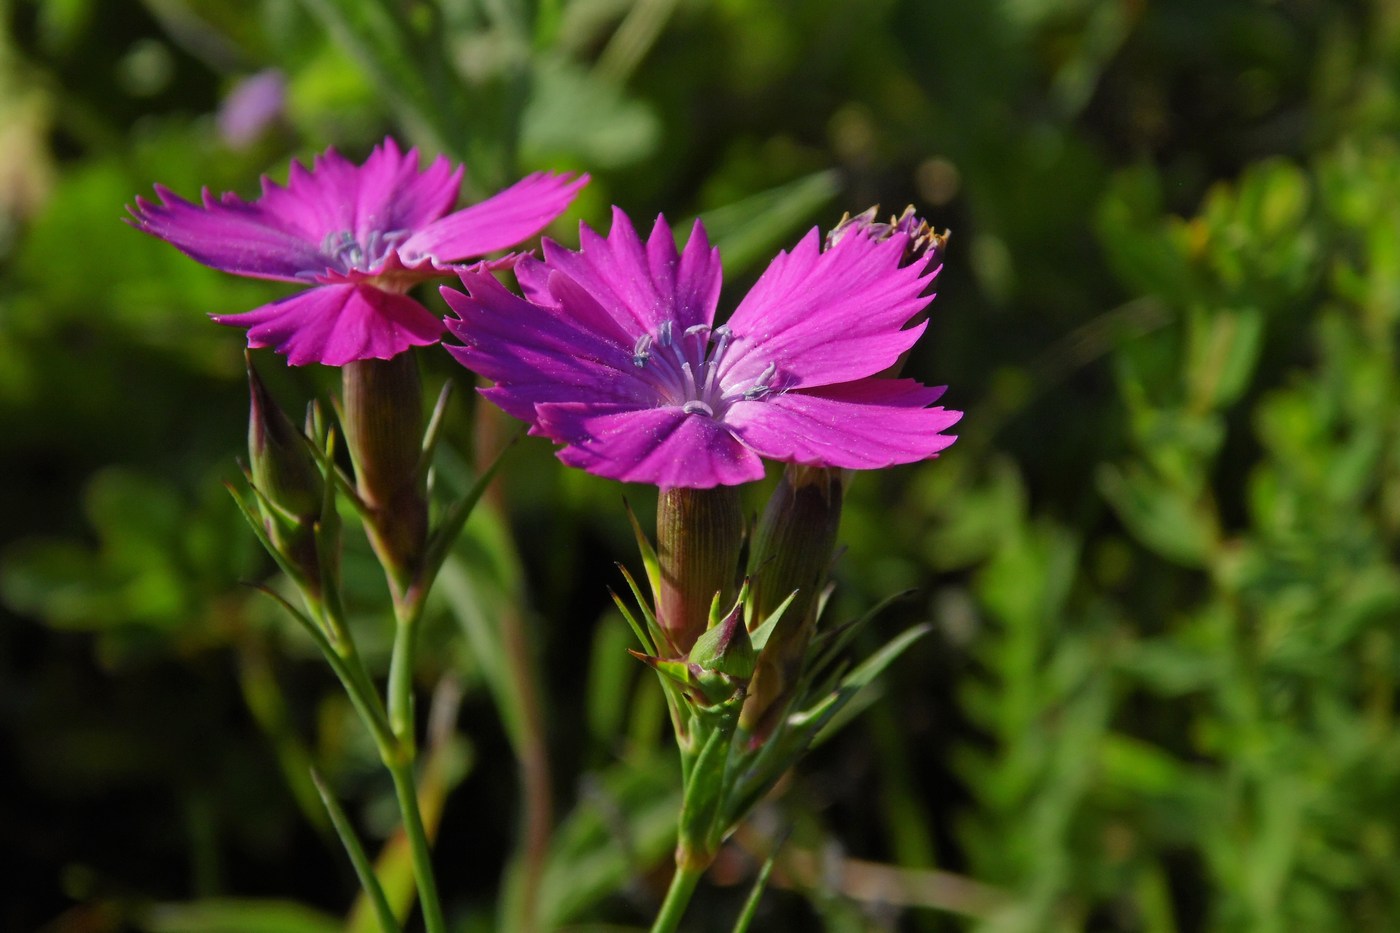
x: 344, y: 253
x: 689, y: 370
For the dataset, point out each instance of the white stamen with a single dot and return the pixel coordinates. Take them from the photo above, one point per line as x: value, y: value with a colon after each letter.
x: 694, y: 375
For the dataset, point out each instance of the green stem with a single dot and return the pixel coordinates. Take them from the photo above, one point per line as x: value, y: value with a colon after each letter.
x: 393, y: 733
x: 678, y: 896
x: 401, y: 663
x: 533, y: 754
x: 406, y: 789
x: 340, y: 653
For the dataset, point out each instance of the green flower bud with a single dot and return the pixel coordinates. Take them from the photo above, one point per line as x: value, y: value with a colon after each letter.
x: 283, y: 468
x: 383, y: 421
x: 792, y: 550
x: 288, y: 479
x: 699, y: 537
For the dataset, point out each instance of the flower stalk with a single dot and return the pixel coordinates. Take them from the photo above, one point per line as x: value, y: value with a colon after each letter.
x: 678, y: 895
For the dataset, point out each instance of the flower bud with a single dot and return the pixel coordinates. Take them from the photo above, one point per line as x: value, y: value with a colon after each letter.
x: 383, y: 421
x: 284, y: 471
x: 699, y: 536
x: 792, y: 549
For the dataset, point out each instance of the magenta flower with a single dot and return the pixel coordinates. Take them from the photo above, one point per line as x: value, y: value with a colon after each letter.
x: 614, y: 354
x: 362, y: 236
x: 252, y: 107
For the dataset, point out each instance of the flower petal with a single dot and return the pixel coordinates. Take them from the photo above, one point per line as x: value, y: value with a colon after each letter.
x: 661, y: 446
x: 642, y: 285
x: 860, y: 425
x: 394, y: 195
x: 550, y: 289
x: 502, y: 220
x: 231, y: 235
x: 829, y: 316
x: 536, y: 354
x: 386, y: 194
x: 283, y: 234
x: 337, y: 324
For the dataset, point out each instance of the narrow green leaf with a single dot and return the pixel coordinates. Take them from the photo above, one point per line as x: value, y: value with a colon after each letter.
x: 445, y: 534
x: 749, y: 230
x: 832, y: 643
x: 658, y: 635
x: 623, y: 823
x: 433, y: 433
x: 741, y: 925
x: 305, y: 621
x: 859, y: 679
x: 471, y: 602
x: 364, y: 870
x: 411, y: 72
x: 755, y: 773
x: 637, y: 628
x: 357, y: 686
x: 759, y: 636
x: 649, y: 560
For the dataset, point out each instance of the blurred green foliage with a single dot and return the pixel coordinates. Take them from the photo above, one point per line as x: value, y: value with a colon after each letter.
x: 1163, y: 560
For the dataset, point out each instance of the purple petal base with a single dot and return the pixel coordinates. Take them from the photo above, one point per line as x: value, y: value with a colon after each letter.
x: 661, y: 446
x: 338, y: 324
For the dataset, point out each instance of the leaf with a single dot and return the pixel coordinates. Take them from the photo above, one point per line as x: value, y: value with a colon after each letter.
x: 625, y: 820
x: 445, y: 535
x: 443, y: 768
x: 759, y: 636
x: 841, y: 709
x: 369, y: 881
x: 659, y: 638
x: 574, y: 113
x: 1160, y: 516
x: 829, y: 645
x: 758, y: 770
x: 237, y: 915
x: 745, y: 919
x: 1222, y: 352
x: 749, y: 230
x: 649, y: 560
x: 410, y: 72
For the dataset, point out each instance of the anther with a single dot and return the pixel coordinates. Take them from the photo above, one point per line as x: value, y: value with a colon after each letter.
x: 642, y: 351
x: 698, y: 408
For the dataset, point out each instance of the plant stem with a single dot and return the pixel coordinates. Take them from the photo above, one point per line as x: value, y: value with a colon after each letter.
x: 407, y: 612
x: 533, y: 753
x: 678, y: 895
x: 406, y: 789
x: 400, y: 760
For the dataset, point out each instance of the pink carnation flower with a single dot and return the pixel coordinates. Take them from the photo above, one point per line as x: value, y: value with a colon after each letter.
x: 362, y: 236
x: 614, y: 354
